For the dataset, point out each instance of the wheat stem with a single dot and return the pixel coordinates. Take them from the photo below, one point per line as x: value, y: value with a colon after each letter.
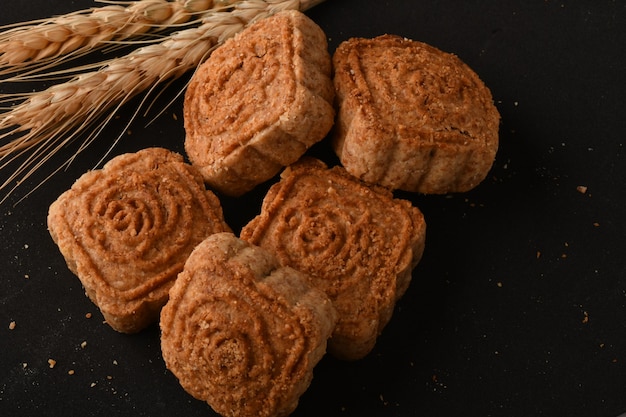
x: 47, y: 120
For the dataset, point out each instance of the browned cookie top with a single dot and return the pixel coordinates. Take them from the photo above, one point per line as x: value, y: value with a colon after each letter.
x: 259, y: 102
x: 411, y: 116
x: 241, y: 332
x: 356, y: 242
x: 127, y: 229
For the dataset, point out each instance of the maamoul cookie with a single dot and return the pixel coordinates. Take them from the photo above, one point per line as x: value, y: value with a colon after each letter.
x: 412, y: 117
x: 241, y: 332
x: 127, y: 229
x: 259, y: 102
x: 355, y: 241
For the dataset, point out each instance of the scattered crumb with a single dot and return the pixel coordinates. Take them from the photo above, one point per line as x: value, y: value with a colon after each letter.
x: 596, y: 224
x: 52, y: 363
x: 538, y: 255
x: 93, y: 384
x: 26, y: 276
x: 114, y: 362
x: 585, y: 318
x: 582, y: 189
x: 24, y: 365
x: 12, y: 325
x: 174, y: 116
x: 88, y: 315
x: 83, y: 345
x: 438, y: 383
x: 70, y: 372
x: 499, y: 284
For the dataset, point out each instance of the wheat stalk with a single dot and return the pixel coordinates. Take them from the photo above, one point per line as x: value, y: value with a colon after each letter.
x: 35, y: 45
x: 46, y: 121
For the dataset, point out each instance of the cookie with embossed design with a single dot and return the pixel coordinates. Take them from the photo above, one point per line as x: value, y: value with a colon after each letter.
x: 259, y: 102
x: 412, y: 117
x: 355, y: 242
x: 126, y: 231
x: 242, y: 332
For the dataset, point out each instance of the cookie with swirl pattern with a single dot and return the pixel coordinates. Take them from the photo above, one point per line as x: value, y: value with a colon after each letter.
x: 412, y: 117
x: 242, y: 332
x: 259, y: 102
x: 355, y: 242
x: 127, y: 229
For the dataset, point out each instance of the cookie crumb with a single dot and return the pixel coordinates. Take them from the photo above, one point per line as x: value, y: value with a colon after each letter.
x: 582, y: 189
x: 88, y: 315
x: 83, y: 345
x: 52, y: 363
x: 70, y: 372
x: 12, y: 325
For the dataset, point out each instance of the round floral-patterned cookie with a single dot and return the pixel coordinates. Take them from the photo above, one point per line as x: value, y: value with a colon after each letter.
x: 126, y: 231
x: 241, y: 332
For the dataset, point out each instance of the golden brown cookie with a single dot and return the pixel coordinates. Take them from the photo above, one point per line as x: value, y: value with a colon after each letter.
x: 259, y: 102
x: 412, y: 117
x: 355, y: 241
x: 241, y: 332
x: 126, y: 231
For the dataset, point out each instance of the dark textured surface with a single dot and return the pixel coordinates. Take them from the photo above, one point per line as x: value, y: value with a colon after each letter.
x: 518, y: 307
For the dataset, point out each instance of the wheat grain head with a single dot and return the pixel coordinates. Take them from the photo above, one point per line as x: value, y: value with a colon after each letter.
x: 39, y: 43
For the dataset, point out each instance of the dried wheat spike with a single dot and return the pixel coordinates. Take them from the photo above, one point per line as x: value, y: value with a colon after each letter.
x: 38, y: 43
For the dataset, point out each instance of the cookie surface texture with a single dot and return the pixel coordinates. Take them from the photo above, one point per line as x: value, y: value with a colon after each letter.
x: 127, y: 229
x: 356, y: 242
x: 241, y: 332
x: 259, y: 102
x: 412, y: 117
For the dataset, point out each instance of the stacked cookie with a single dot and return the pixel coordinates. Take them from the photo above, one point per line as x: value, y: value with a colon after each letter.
x: 244, y: 320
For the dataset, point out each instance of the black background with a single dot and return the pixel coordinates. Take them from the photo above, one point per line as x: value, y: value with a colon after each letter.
x: 518, y: 307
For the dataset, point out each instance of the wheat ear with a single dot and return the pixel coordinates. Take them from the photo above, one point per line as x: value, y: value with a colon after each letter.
x: 48, y: 120
x: 24, y: 46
